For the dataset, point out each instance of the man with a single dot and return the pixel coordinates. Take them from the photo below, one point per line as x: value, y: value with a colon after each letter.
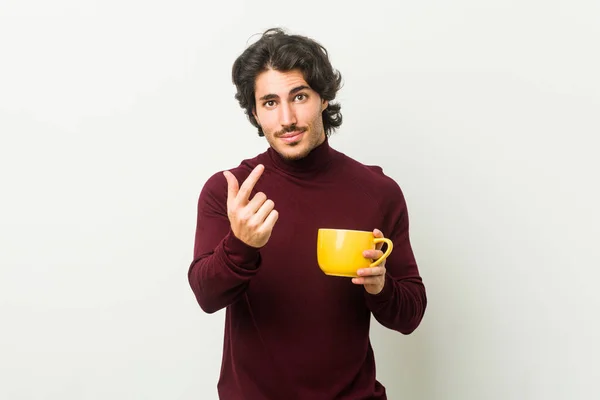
x: 292, y: 332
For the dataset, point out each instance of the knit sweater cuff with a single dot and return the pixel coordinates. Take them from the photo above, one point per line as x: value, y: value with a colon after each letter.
x: 239, y: 253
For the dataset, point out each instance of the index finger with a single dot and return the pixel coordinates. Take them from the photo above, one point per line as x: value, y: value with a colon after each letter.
x: 372, y: 271
x: 248, y: 185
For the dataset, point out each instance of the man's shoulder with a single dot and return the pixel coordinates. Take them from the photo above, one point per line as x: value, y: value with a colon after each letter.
x: 371, y: 175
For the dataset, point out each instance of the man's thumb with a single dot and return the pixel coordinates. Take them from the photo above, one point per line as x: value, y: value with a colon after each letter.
x: 232, y: 185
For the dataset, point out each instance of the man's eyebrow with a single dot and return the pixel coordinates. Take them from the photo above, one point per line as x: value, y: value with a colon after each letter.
x: 268, y: 97
x: 271, y: 96
x: 298, y: 88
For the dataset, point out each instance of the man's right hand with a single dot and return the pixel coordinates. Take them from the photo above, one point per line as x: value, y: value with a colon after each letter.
x: 251, y: 221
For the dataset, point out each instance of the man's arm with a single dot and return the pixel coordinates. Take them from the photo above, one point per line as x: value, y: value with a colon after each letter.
x: 400, y: 304
x: 230, y: 231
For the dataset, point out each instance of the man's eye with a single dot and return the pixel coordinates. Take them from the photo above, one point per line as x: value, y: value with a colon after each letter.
x: 270, y: 103
x: 300, y: 97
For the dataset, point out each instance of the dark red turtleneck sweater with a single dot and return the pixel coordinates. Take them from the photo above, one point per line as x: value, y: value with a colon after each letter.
x: 292, y: 332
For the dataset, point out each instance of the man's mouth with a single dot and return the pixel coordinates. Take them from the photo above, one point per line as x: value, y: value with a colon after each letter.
x: 290, y: 137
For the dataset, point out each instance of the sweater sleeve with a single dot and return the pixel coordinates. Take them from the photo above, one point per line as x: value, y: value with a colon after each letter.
x: 401, y: 304
x: 222, y: 265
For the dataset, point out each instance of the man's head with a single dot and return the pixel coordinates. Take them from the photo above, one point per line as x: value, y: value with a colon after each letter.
x: 285, y: 84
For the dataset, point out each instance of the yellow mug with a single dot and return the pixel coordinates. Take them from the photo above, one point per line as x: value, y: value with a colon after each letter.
x: 339, y: 251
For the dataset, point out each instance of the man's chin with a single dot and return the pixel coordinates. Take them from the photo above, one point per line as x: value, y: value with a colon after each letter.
x: 293, y: 157
x: 293, y: 152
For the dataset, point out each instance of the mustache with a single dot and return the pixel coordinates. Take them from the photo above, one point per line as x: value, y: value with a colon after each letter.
x: 291, y: 128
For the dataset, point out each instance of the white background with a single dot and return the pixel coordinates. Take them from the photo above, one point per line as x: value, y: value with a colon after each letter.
x: 114, y: 113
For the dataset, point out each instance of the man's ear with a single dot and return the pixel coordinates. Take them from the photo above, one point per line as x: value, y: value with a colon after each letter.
x: 324, y: 105
x: 255, y: 116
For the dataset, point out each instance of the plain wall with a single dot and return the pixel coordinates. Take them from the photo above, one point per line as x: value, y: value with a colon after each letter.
x: 114, y: 113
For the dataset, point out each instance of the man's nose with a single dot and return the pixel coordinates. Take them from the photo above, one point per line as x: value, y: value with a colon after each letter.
x: 287, y: 115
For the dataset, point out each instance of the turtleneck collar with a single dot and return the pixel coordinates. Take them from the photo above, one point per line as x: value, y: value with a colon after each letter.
x: 316, y: 160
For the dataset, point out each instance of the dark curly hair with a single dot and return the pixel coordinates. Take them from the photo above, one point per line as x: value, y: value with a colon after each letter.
x: 283, y: 52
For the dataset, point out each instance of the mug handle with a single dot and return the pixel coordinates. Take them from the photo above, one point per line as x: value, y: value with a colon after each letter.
x: 390, y: 246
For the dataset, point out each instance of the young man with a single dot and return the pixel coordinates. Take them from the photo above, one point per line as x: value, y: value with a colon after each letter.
x: 292, y: 332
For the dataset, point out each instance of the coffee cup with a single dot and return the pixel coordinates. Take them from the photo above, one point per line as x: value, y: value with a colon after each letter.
x: 340, y: 251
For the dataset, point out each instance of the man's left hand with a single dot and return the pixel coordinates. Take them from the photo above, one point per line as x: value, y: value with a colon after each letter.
x: 373, y: 279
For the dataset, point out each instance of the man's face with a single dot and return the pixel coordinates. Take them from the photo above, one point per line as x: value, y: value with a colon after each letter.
x: 289, y: 113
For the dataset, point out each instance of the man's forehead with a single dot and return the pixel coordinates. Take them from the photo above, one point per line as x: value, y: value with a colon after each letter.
x: 276, y: 82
